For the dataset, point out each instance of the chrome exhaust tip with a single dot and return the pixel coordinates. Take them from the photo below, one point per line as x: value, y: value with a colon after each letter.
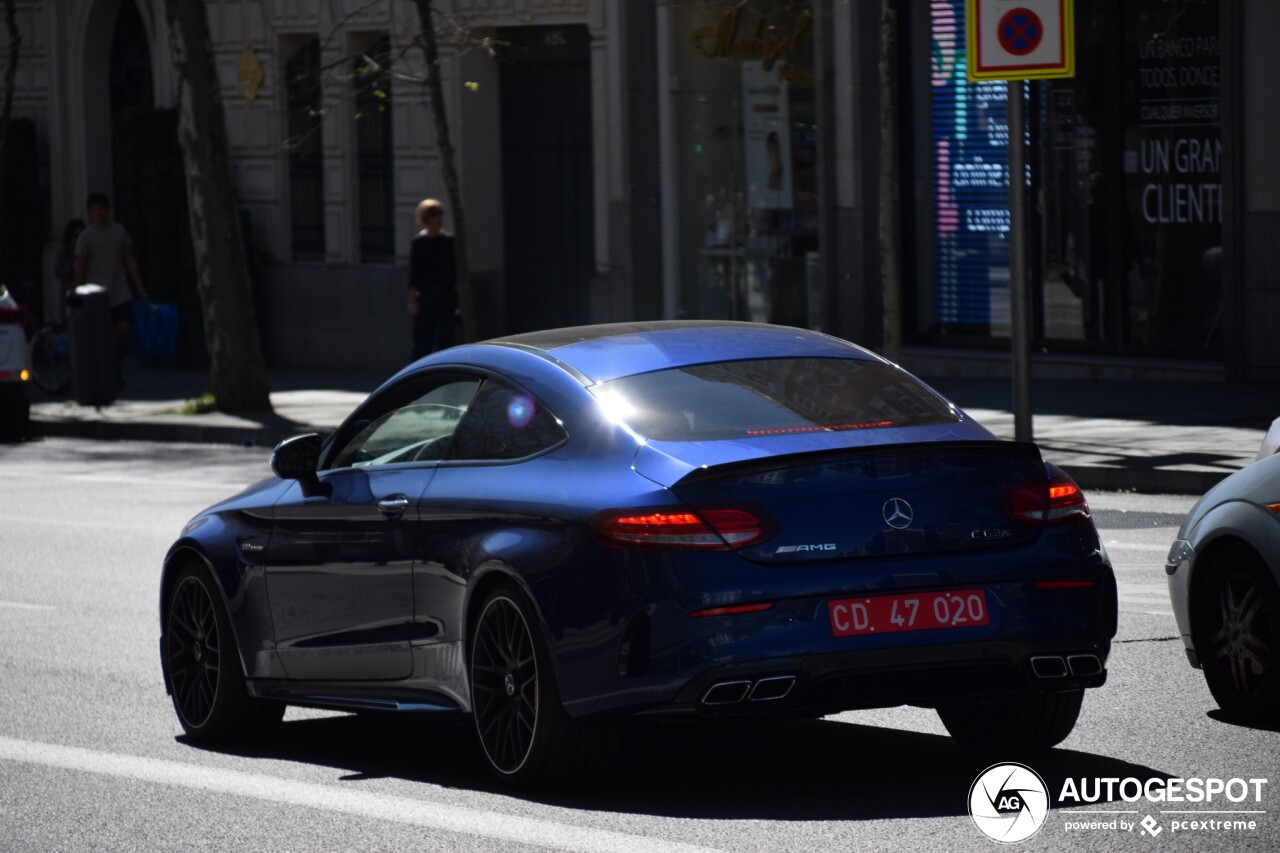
x: 772, y: 689
x: 726, y: 693
x: 1084, y: 664
x: 1049, y: 666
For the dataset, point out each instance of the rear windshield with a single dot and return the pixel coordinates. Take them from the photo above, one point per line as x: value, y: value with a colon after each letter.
x: 769, y: 397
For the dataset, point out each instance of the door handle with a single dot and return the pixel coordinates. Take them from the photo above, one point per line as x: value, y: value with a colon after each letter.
x: 394, y: 506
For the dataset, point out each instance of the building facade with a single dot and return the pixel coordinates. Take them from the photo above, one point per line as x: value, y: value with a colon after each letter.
x: 634, y: 159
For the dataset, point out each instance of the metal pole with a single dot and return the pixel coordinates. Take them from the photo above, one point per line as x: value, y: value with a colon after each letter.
x: 1019, y: 315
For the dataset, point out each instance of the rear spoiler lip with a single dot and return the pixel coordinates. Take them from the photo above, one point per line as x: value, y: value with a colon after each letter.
x: 818, y: 457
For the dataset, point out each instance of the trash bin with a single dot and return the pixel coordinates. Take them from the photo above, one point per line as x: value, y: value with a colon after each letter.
x: 94, y: 377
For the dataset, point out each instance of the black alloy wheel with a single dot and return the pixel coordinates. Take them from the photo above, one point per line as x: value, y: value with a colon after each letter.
x: 193, y: 652
x: 504, y: 684
x: 527, y: 737
x: 1238, y: 635
x: 204, y: 675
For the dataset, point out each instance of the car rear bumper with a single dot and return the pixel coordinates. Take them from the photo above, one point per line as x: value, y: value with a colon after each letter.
x: 922, y: 675
x: 666, y: 660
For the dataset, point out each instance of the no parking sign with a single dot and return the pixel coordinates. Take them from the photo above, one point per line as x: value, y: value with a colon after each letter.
x: 1020, y: 39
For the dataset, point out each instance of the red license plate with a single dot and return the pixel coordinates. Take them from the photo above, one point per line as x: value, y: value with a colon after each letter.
x: 921, y: 611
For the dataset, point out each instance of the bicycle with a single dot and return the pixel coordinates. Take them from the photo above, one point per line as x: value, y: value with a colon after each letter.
x: 50, y: 356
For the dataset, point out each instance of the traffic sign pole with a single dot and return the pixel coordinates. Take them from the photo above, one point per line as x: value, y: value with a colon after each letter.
x: 1019, y: 303
x: 1017, y: 40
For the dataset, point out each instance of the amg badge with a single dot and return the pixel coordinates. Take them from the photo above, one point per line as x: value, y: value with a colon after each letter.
x: 791, y: 549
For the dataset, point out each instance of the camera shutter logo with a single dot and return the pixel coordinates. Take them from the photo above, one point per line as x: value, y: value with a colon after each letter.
x: 1008, y: 802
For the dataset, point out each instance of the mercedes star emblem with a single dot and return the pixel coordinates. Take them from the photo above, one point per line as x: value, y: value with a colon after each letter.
x: 898, y: 513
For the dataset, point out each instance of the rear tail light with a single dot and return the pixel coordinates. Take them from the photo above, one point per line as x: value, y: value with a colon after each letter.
x: 1058, y: 502
x: 707, y: 529
x: 10, y: 315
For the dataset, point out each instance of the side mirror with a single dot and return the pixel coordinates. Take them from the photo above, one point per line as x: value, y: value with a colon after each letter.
x: 296, y: 458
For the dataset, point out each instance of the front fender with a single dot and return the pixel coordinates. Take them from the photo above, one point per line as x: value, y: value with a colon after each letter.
x: 241, y: 581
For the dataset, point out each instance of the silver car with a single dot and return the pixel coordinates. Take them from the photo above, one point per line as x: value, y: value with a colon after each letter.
x: 1224, y: 582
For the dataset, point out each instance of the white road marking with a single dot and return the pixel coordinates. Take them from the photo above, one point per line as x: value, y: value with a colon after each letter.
x: 439, y: 816
x: 21, y: 605
x: 1138, y: 546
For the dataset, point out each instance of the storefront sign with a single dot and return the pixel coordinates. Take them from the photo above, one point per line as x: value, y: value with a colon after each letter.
x: 1180, y: 145
x: 765, y: 41
x: 971, y: 173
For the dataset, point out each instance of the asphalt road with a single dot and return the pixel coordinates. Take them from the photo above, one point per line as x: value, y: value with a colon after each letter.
x: 91, y: 755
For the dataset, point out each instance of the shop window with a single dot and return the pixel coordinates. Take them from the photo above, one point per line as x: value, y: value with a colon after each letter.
x: 1126, y: 251
x: 306, y: 153
x: 374, y: 153
x: 743, y: 101
x: 970, y: 182
x: 1171, y: 272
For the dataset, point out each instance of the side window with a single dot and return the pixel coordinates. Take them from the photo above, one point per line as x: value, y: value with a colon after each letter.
x: 417, y: 431
x: 505, y: 423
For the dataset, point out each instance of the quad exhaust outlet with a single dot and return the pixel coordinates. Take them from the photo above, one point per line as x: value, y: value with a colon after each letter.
x: 769, y: 689
x: 1060, y: 666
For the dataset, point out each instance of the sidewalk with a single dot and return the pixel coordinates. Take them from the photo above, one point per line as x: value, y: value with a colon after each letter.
x: 1154, y: 437
x: 149, y: 408
x: 1173, y: 437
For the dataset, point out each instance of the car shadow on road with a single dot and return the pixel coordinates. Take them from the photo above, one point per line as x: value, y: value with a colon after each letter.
x: 805, y: 771
x: 1220, y: 716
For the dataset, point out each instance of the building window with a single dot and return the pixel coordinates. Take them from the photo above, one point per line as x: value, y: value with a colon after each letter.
x: 374, y: 153
x: 743, y: 99
x: 306, y: 154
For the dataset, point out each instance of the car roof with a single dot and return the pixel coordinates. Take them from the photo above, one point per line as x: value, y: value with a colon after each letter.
x: 604, y: 352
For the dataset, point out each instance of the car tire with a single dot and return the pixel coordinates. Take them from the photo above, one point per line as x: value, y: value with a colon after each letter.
x: 1027, y: 722
x: 202, y: 666
x: 1236, y: 633
x: 527, y: 738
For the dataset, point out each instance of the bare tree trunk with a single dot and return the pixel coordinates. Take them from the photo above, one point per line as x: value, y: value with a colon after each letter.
x: 890, y: 239
x: 237, y: 370
x: 448, y: 165
x: 10, y: 76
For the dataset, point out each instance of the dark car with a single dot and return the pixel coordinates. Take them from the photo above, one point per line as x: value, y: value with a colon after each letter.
x: 554, y: 531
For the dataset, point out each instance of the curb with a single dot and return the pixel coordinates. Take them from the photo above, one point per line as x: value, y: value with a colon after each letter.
x: 164, y: 432
x: 1147, y: 481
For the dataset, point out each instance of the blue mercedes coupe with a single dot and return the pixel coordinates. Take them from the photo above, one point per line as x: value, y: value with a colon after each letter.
x: 707, y: 520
